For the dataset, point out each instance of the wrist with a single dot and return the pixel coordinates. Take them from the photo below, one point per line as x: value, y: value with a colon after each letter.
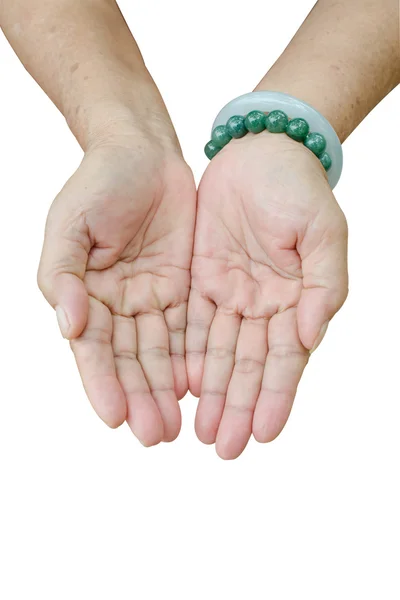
x: 343, y: 60
x: 119, y: 112
x: 307, y: 91
x: 278, y: 113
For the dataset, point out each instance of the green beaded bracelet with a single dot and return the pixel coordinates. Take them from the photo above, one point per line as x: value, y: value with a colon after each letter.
x: 255, y: 121
x: 275, y: 121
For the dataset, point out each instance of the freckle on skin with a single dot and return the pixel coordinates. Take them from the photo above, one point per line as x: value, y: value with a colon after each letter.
x: 74, y: 67
x: 86, y: 77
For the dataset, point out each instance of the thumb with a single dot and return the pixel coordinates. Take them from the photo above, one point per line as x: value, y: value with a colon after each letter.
x: 325, y: 279
x: 61, y: 271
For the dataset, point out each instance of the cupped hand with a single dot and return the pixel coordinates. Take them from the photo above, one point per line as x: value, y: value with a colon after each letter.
x: 269, y: 272
x: 115, y: 266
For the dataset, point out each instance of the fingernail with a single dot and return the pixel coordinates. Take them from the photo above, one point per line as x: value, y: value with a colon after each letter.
x: 320, y: 337
x: 63, y: 322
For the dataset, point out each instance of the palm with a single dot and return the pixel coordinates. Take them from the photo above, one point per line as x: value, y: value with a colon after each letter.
x: 248, y: 282
x: 237, y: 269
x: 140, y: 226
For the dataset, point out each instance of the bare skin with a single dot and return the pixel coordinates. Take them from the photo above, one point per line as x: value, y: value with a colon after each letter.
x: 343, y: 60
x: 119, y: 236
x: 269, y: 271
x: 118, y: 256
x: 269, y: 267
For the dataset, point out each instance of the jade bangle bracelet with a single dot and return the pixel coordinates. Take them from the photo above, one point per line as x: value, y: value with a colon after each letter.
x: 259, y: 111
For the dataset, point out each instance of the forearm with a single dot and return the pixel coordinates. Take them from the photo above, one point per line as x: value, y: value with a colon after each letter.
x: 344, y: 60
x: 83, y: 55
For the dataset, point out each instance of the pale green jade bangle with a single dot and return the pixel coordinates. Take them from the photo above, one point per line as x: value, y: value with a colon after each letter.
x: 295, y: 109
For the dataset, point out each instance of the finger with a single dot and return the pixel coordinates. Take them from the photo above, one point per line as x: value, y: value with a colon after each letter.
x: 154, y: 357
x: 218, y: 368
x: 285, y: 364
x: 61, y: 270
x: 201, y: 312
x: 95, y: 359
x: 236, y: 424
x: 325, y: 279
x: 143, y: 416
x: 175, y: 318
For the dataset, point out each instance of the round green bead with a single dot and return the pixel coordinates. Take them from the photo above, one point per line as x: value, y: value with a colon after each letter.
x: 277, y: 121
x: 220, y: 136
x: 211, y: 149
x: 236, y: 127
x: 326, y: 161
x: 255, y: 121
x: 316, y: 143
x: 298, y: 129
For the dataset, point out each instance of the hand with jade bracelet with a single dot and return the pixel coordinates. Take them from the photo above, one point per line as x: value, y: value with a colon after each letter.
x: 269, y: 272
x: 269, y: 268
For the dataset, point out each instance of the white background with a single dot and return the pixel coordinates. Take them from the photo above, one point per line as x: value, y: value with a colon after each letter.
x: 88, y: 513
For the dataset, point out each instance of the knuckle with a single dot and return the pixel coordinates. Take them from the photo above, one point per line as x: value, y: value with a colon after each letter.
x: 155, y: 352
x: 248, y: 365
x: 288, y: 351
x: 208, y: 392
x: 122, y: 355
x: 93, y: 335
x: 197, y: 324
x: 219, y: 352
x: 43, y: 283
x: 239, y: 408
x: 342, y: 295
x: 40, y: 280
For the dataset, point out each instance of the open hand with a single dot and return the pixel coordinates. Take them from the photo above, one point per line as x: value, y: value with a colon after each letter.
x: 269, y: 271
x: 115, y: 265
